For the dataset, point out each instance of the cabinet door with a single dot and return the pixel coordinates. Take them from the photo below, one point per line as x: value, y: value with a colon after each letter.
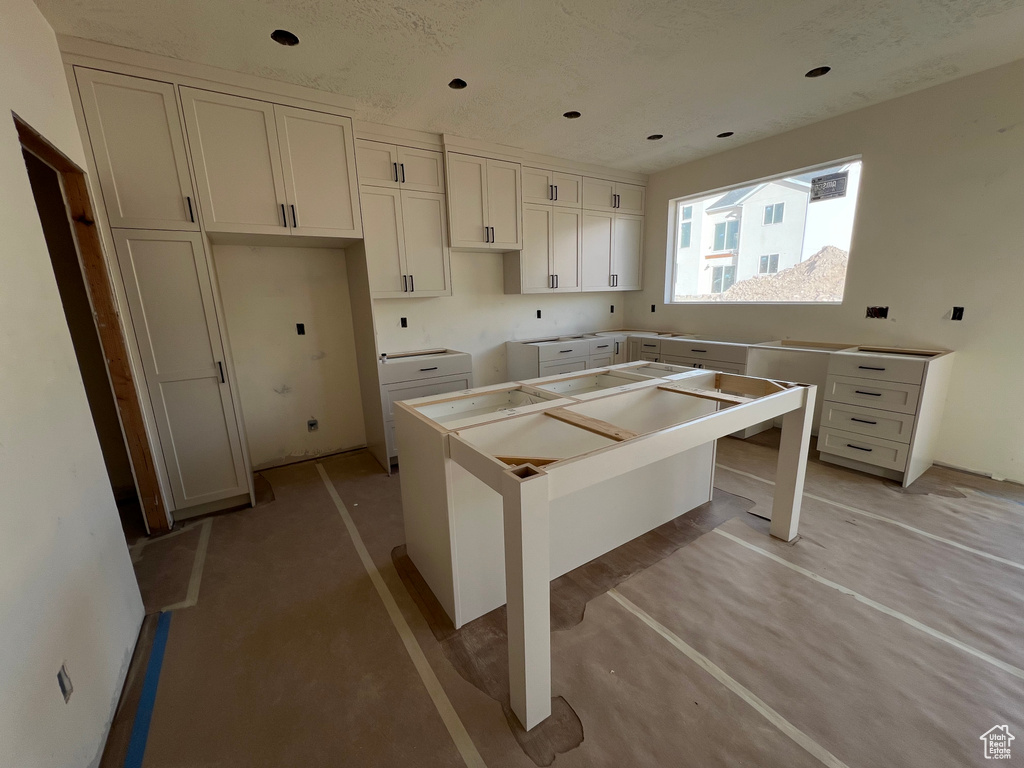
x: 535, y: 261
x: 631, y: 198
x: 602, y: 361
x: 139, y: 147
x: 504, y: 197
x: 567, y: 245
x: 378, y: 163
x: 421, y: 170
x: 426, y: 244
x: 237, y: 160
x: 384, y: 242
x: 568, y: 190
x: 597, y: 251
x: 537, y: 186
x: 627, y: 251
x: 467, y: 200
x: 598, y: 194
x: 170, y: 298
x: 319, y: 165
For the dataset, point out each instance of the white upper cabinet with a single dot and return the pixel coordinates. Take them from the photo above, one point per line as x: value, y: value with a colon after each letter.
x: 612, y: 196
x: 485, y: 201
x: 567, y: 249
x: 596, y: 264
x: 550, y: 259
x: 387, y: 165
x: 237, y: 161
x: 319, y: 167
x: 564, y: 190
x: 568, y: 190
x: 267, y: 169
x: 627, y: 252
x: 406, y: 241
x: 139, y: 149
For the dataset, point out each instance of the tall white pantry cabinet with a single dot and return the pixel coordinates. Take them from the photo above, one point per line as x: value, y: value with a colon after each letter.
x: 170, y: 172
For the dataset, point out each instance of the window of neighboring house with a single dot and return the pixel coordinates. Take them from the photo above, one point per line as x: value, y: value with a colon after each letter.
x: 722, y: 279
x: 769, y: 264
x: 686, y: 214
x: 809, y: 255
x: 727, y: 235
x: 773, y: 213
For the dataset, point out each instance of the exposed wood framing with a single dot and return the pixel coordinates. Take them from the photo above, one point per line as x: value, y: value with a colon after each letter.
x: 516, y: 461
x: 709, y: 394
x: 591, y: 424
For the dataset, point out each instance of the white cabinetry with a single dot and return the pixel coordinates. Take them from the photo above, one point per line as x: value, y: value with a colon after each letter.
x: 388, y: 165
x: 170, y: 297
x: 563, y: 190
x: 547, y: 357
x: 485, y: 201
x: 139, y: 148
x: 612, y: 251
x: 613, y: 196
x: 550, y: 259
x: 263, y: 168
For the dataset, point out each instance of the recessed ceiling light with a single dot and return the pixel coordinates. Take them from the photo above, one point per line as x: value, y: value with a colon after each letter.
x: 458, y: 84
x: 284, y: 37
x: 818, y: 72
x: 655, y: 137
x: 571, y: 115
x: 724, y: 135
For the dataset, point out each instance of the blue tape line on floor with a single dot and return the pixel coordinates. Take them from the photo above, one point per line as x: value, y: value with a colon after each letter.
x: 144, y: 713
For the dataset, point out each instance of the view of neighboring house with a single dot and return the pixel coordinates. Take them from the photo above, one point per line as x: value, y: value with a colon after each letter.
x: 751, y: 231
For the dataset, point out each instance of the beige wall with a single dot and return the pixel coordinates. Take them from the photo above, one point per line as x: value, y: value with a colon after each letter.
x: 67, y: 590
x: 479, y: 318
x: 938, y: 224
x: 286, y: 379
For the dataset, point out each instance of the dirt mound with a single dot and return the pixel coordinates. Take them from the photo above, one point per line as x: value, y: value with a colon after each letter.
x: 819, y: 278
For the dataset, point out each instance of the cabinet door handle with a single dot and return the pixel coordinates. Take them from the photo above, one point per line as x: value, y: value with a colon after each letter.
x: 487, y: 234
x: 862, y: 421
x: 551, y: 191
x: 191, y: 216
x: 396, y: 171
x: 402, y: 166
x: 220, y: 367
x: 556, y: 281
x: 492, y: 235
x: 405, y: 283
x: 862, y: 392
x: 295, y: 218
x: 869, y: 368
x: 616, y: 281
x: 284, y: 216
x: 556, y: 191
x: 616, y: 347
x: 432, y: 368
x: 866, y: 450
x: 412, y: 284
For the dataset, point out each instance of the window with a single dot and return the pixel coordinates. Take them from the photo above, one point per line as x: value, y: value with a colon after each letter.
x: 727, y: 235
x: 798, y: 255
x: 685, y: 214
x: 773, y: 213
x: 722, y: 279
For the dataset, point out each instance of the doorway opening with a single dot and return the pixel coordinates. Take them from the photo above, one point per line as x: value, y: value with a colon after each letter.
x: 76, y: 254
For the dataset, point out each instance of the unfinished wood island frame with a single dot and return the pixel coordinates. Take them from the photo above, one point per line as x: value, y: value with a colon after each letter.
x: 566, y: 475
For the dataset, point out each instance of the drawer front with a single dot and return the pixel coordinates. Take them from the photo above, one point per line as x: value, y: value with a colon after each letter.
x: 556, y: 367
x: 889, y: 395
x: 877, y: 367
x: 870, y: 450
x: 706, y: 350
x: 600, y: 361
x: 647, y: 345
x: 407, y: 369
x: 898, y: 427
x: 604, y: 346
x: 564, y: 350
x: 709, y: 365
x: 407, y: 390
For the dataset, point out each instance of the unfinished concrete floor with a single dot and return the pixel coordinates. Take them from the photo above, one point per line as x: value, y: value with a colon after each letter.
x: 888, y: 634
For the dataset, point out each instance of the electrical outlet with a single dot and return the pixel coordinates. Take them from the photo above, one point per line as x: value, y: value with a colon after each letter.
x: 613, y: 309
x: 312, y: 425
x: 300, y: 328
x: 958, y: 313
x: 405, y: 322
x: 877, y: 312
x: 538, y: 314
x: 652, y: 307
x: 64, y: 681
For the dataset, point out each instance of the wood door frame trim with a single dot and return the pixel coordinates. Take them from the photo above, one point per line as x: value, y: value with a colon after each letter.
x: 98, y: 285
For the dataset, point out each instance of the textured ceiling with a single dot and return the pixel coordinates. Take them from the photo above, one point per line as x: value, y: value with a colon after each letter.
x: 686, y: 69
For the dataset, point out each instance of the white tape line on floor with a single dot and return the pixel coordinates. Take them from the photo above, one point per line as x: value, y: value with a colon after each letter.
x: 769, y: 714
x: 451, y: 719
x: 884, y: 519
x: 1008, y: 668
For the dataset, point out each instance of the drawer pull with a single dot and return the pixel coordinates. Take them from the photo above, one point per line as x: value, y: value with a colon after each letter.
x: 563, y: 351
x: 862, y: 421
x: 851, y: 445
x: 873, y: 394
x: 423, y: 370
x: 869, y: 368
x: 650, y: 345
x: 702, y: 351
x: 603, y: 346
